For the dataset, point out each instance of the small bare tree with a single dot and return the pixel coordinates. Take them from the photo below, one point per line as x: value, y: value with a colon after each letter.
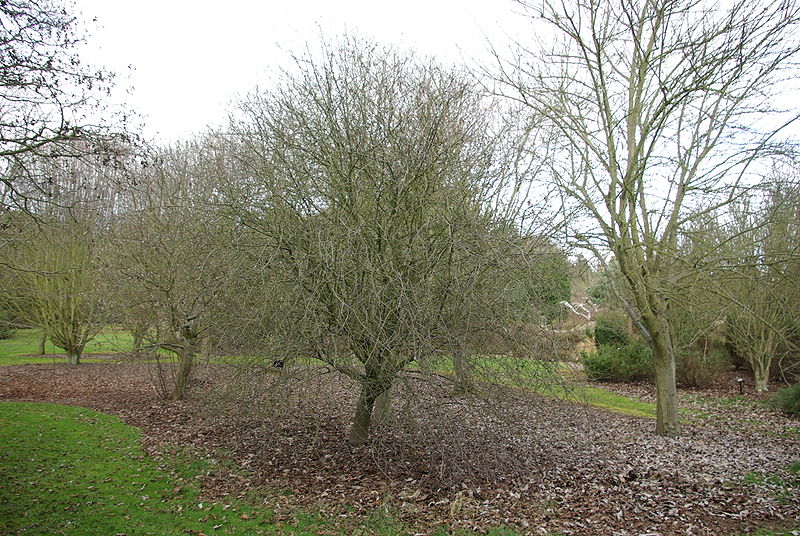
x: 61, y: 286
x: 760, y: 284
x: 653, y: 107
x: 170, y: 262
x: 378, y: 191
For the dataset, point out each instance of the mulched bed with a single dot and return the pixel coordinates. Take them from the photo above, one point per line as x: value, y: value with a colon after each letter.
x: 473, y: 463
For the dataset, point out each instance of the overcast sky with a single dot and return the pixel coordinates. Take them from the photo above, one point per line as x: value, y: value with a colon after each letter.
x: 189, y: 58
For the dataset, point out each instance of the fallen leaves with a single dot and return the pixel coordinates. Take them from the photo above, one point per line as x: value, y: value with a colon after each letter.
x: 539, y: 465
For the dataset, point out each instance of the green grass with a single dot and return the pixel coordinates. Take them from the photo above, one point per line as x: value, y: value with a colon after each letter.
x: 549, y: 379
x: 784, y: 532
x: 601, y: 398
x: 18, y: 349
x: 73, y: 471
x: 495, y: 365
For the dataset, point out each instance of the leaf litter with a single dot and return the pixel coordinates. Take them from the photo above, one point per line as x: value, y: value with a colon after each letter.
x: 537, y: 465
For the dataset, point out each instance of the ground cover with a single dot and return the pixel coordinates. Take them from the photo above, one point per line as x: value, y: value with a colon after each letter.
x: 542, y: 377
x: 445, y: 463
x: 71, y: 470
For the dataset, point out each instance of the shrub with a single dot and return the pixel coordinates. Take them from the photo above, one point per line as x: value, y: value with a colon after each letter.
x: 789, y: 399
x: 611, y: 328
x: 6, y: 330
x: 631, y: 362
x: 696, y: 368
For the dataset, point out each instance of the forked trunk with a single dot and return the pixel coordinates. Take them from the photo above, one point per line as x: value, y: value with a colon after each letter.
x: 376, y: 386
x: 359, y: 433
x: 378, y: 379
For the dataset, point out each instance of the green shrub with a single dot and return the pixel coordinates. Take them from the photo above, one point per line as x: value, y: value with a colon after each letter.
x: 631, y: 362
x: 611, y: 328
x: 789, y: 399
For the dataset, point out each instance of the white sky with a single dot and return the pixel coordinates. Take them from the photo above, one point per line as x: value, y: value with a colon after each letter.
x: 190, y: 58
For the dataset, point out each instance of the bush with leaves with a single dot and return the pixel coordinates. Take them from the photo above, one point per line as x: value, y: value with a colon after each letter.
x: 701, y: 354
x: 611, y: 328
x: 627, y: 363
x: 789, y: 399
x: 698, y: 368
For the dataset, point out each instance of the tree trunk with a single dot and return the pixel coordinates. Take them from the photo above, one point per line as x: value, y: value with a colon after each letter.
x: 359, y: 433
x: 138, y: 340
x: 463, y: 370
x: 206, y: 347
x: 383, y: 407
x: 375, y: 386
x: 761, y: 374
x: 42, y: 349
x: 185, y: 359
x: 73, y: 357
x: 667, y: 418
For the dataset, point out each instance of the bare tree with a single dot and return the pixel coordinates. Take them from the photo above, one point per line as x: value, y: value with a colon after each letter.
x: 170, y: 262
x: 760, y: 283
x: 653, y: 107
x: 47, y: 95
x: 61, y: 285
x: 53, y: 246
x: 378, y: 191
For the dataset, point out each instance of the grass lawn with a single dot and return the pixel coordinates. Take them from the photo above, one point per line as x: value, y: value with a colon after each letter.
x: 594, y: 396
x: 18, y: 349
x: 67, y: 470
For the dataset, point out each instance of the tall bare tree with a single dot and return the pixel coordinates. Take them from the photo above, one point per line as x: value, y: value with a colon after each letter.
x: 60, y: 280
x: 653, y: 105
x: 54, y: 248
x: 49, y: 98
